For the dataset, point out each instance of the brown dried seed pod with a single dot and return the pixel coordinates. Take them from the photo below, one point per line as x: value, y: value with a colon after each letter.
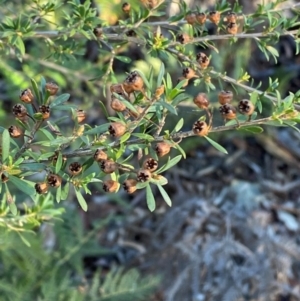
x: 117, y: 105
x: 149, y: 3
x: 19, y: 110
x: 117, y: 88
x: 108, y: 166
x: 231, y: 17
x: 130, y: 186
x: 200, y: 128
x: 183, y: 38
x: 225, y: 97
x: 203, y: 60
x: 133, y: 82
x: 45, y: 111
x: 41, y: 188
x: 51, y: 87
x: 81, y: 115
x: 159, y: 91
x: 4, y: 178
x: 98, y: 31
x: 26, y: 96
x: 246, y: 107
x: 201, y: 101
x: 201, y: 18
x: 75, y: 168
x: 143, y: 175
x: 232, y: 28
x: 188, y: 73
x: 228, y: 111
x: 100, y: 155
x: 117, y: 129
x: 150, y: 164
x: 54, y: 180
x: 15, y: 132
x: 214, y: 17
x: 126, y: 7
x: 110, y: 186
x: 191, y: 18
x: 162, y: 148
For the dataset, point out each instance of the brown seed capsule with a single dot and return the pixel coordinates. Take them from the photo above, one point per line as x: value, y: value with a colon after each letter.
x: 200, y: 128
x: 188, y: 73
x: 183, y: 38
x: 162, y: 148
x: 26, y: 96
x: 14, y: 131
x: 149, y: 3
x: 117, y: 105
x: 246, y: 107
x: 75, y: 168
x: 225, y: 97
x: 126, y: 7
x: 81, y: 115
x: 110, y: 186
x: 214, y: 17
x: 117, y: 129
x: 54, y: 180
x: 41, y: 188
x: 191, y: 18
x: 45, y: 111
x: 228, y: 111
x: 201, y: 101
x: 108, y: 166
x: 52, y: 88
x: 231, y: 17
x: 100, y: 155
x: 232, y: 28
x: 130, y: 186
x: 203, y: 60
x: 133, y: 82
x: 4, y: 178
x: 19, y: 110
x: 143, y: 175
x: 117, y: 88
x: 201, y: 18
x: 98, y: 31
x: 159, y: 91
x: 150, y: 164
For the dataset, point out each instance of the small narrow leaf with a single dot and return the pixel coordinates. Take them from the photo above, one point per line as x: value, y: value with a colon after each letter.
x: 81, y: 200
x: 58, y: 194
x: 65, y: 191
x: 252, y: 129
x: 165, y: 195
x: 178, y: 126
x: 150, y: 198
x: 124, y: 59
x: 60, y: 100
x: 170, y: 164
x: 216, y: 145
x: 23, y: 185
x: 146, y: 82
x: 36, y: 90
x: 167, y: 106
x: 5, y: 144
x: 58, y: 163
x: 160, y: 74
x: 97, y: 130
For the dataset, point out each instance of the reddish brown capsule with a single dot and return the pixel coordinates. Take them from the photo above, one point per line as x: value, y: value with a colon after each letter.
x: 133, y: 82
x: 246, y: 107
x: 117, y: 105
x: 162, y: 148
x: 45, y: 111
x: 232, y: 28
x: 183, y: 38
x: 54, y: 180
x: 130, y: 186
x: 26, y: 96
x: 19, y: 110
x: 203, y: 60
x: 98, y: 31
x: 159, y: 91
x: 143, y: 175
x: 100, y: 155
x: 200, y: 128
x: 117, y: 129
x: 201, y: 101
x: 75, y: 168
x: 188, y: 73
x: 41, y: 188
x: 81, y: 115
x: 191, y: 18
x: 117, y: 88
x: 108, y: 166
x: 126, y: 7
x: 214, y: 17
x: 228, y: 111
x: 110, y: 186
x: 201, y: 18
x: 150, y: 164
x: 231, y: 17
x: 52, y: 88
x: 225, y: 97
x: 15, y: 132
x: 4, y: 178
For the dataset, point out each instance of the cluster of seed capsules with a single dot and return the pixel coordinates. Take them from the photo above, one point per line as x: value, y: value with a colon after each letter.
x: 227, y: 110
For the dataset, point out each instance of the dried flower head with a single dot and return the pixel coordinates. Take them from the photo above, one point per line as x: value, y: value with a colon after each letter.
x: 81, y: 115
x: 45, y: 111
x: 159, y: 91
x: 26, y: 96
x: 100, y: 155
x: 75, y: 168
x: 4, y: 178
x: 98, y: 31
x: 162, y: 148
x: 19, y: 110
x: 188, y: 73
x: 201, y: 18
x: 150, y: 164
x: 200, y: 128
x: 117, y: 129
x: 183, y: 38
x: 228, y: 111
x: 117, y: 88
x: 108, y: 166
x: 143, y: 175
x: 130, y: 186
x: 117, y: 105
x: 54, y: 180
x: 133, y: 82
x: 15, y: 132
x: 52, y: 88
x: 110, y: 186
x: 41, y: 188
x: 126, y: 7
x: 225, y: 97
x: 246, y: 107
x: 232, y: 28
x: 191, y: 18
x: 214, y: 17
x: 201, y: 101
x: 231, y: 17
x: 203, y: 60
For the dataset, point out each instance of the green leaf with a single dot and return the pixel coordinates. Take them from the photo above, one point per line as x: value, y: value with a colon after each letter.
x: 160, y: 74
x: 97, y: 130
x: 216, y: 145
x: 150, y: 198
x: 5, y: 144
x: 125, y: 137
x: 177, y: 146
x: 65, y: 191
x: 58, y: 163
x: 81, y: 200
x: 143, y: 136
x: 60, y: 100
x: 146, y: 82
x: 20, y: 45
x: 13, y: 208
x: 23, y: 185
x: 25, y: 241
x: 103, y: 107
x: 253, y: 97
x: 167, y: 106
x: 165, y: 195
x: 178, y: 126
x: 169, y: 164
x: 252, y: 129
x: 58, y: 194
x: 124, y: 59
